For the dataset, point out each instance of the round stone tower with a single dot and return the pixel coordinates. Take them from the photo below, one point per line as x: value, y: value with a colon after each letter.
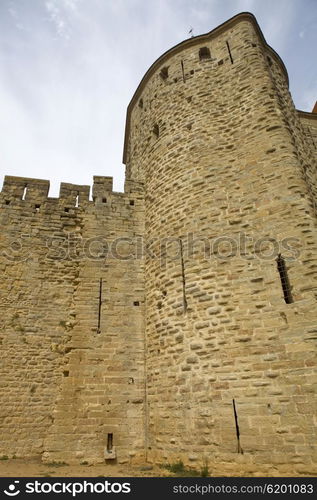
x: 230, y: 228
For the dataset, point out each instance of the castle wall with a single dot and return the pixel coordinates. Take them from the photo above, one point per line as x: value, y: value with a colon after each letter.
x: 35, y: 297
x: 308, y: 122
x: 72, y: 354
x: 213, y: 141
x: 302, y: 129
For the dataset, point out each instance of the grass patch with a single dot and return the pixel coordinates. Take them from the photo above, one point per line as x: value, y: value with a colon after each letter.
x: 205, y: 471
x: 179, y: 469
x: 4, y: 457
x: 176, y: 468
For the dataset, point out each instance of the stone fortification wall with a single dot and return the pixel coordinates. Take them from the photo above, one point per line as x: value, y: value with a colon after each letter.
x: 71, y: 321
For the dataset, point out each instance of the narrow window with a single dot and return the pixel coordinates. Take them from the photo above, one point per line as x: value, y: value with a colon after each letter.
x: 66, y: 373
x: 141, y: 103
x: 77, y: 201
x: 164, y: 73
x: 24, y: 192
x: 104, y: 200
x: 131, y: 203
x: 66, y: 210
x: 156, y: 130
x: 136, y: 303
x: 110, y: 442
x: 204, y: 53
x: 281, y: 267
x: 7, y: 202
x: 37, y: 208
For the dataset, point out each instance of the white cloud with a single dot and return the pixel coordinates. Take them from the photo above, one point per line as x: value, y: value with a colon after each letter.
x: 56, y: 17
x: 71, y: 4
x: 12, y: 11
x: 308, y: 97
x: 60, y: 12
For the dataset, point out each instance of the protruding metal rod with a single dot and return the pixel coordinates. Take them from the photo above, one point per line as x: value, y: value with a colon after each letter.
x: 183, y: 274
x: 240, y: 450
x: 99, y: 309
x: 229, y: 52
x: 183, y: 71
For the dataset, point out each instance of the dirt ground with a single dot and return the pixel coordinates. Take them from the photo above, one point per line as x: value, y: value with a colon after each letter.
x: 35, y: 468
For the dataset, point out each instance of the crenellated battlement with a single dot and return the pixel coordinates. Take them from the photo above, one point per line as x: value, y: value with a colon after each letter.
x: 74, y: 194
x: 35, y: 191
x: 25, y: 188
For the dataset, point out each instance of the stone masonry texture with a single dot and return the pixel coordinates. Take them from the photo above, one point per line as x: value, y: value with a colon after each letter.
x: 130, y: 322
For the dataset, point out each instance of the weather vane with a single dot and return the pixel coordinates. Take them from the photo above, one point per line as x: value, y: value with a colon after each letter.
x: 191, y: 32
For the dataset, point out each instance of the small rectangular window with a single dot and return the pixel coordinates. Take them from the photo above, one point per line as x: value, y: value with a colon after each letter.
x: 164, y: 73
x: 109, y: 442
x: 204, y: 53
x: 156, y: 130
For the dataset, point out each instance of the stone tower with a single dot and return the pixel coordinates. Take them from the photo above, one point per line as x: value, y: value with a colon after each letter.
x: 176, y: 320
x: 227, y: 165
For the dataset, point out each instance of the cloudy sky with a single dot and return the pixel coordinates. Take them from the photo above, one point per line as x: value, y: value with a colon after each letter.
x: 68, y: 69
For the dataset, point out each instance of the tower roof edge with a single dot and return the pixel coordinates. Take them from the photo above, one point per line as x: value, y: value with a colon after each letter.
x: 187, y: 43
